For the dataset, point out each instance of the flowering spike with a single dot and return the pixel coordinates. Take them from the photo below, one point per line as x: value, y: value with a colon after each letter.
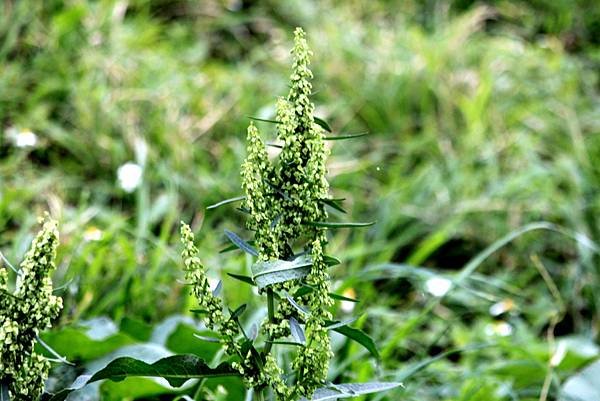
x: 31, y: 308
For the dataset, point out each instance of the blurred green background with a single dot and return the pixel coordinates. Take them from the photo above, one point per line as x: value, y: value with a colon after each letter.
x: 124, y: 117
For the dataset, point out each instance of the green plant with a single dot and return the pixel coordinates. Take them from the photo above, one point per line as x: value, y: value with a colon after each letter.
x: 286, y: 206
x: 23, y: 314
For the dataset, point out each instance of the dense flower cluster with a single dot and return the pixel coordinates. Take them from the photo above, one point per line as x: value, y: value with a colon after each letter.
x: 283, y: 200
x: 31, y: 308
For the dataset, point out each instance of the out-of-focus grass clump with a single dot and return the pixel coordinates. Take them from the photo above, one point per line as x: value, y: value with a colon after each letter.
x: 483, y: 117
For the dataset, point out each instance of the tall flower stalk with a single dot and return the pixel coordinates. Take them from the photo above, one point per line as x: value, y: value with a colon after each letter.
x: 285, y: 201
x: 24, y: 313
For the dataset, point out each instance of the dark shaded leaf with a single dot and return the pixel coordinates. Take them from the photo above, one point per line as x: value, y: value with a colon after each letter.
x: 328, y: 224
x: 357, y: 335
x: 297, y: 331
x: 226, y: 201
x: 347, y: 136
x: 334, y: 203
x: 322, y: 123
x: 176, y: 369
x: 264, y: 120
x: 240, y: 243
x: 342, y: 323
x: 242, y: 278
x: 342, y: 297
x: 278, y: 271
x: 238, y: 312
x: 331, y: 261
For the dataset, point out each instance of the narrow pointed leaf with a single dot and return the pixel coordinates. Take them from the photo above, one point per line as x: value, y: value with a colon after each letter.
x: 350, y: 390
x: 264, y: 120
x: 242, y: 278
x: 286, y: 343
x: 358, y: 336
x: 328, y: 224
x: 225, y: 202
x: 346, y: 136
x: 334, y: 203
x: 240, y: 243
x: 322, y: 123
x: 207, y: 339
x: 297, y: 331
x: 278, y: 271
x: 176, y: 369
x: 296, y: 305
x: 346, y: 322
x: 342, y: 297
x: 331, y: 261
x: 238, y: 312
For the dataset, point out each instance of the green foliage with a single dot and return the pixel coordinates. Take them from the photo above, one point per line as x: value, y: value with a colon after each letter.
x: 25, y: 312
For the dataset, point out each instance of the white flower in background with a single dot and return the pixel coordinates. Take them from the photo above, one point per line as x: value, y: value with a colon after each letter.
x: 501, y: 329
x: 129, y: 176
x: 438, y: 286
x: 21, y: 138
x: 502, y: 307
x: 92, y: 233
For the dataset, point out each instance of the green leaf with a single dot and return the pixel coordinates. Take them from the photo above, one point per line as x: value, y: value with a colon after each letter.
x: 322, y: 123
x: 264, y: 120
x: 240, y: 243
x: 225, y: 202
x: 242, y: 278
x: 334, y: 392
x: 334, y: 203
x: 331, y: 261
x: 356, y: 335
x: 176, y: 369
x: 328, y: 224
x: 584, y: 386
x: 297, y: 331
x: 296, y: 305
x: 278, y: 271
x: 238, y: 312
x: 347, y: 136
x: 340, y: 297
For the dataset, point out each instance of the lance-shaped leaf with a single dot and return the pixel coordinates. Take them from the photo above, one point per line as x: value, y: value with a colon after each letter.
x: 322, y: 123
x: 331, y: 261
x: 240, y: 243
x: 338, y: 391
x: 176, y: 369
x: 226, y: 201
x: 264, y: 120
x: 334, y: 203
x: 346, y: 136
x: 297, y: 331
x: 356, y: 335
x: 278, y: 271
x: 305, y: 289
x: 242, y: 278
x: 328, y: 224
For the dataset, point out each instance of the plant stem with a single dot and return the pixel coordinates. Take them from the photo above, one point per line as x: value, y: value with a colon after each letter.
x: 271, y: 312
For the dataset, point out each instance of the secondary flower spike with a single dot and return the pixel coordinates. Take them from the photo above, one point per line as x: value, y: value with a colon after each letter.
x: 24, y: 313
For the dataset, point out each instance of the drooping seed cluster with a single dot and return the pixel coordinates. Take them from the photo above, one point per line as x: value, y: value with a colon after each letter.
x: 24, y: 313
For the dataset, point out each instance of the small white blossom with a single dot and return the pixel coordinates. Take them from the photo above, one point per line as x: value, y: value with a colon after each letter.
x: 438, y: 286
x: 501, y: 329
x: 92, y: 233
x: 129, y: 176
x: 502, y: 307
x: 21, y: 138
